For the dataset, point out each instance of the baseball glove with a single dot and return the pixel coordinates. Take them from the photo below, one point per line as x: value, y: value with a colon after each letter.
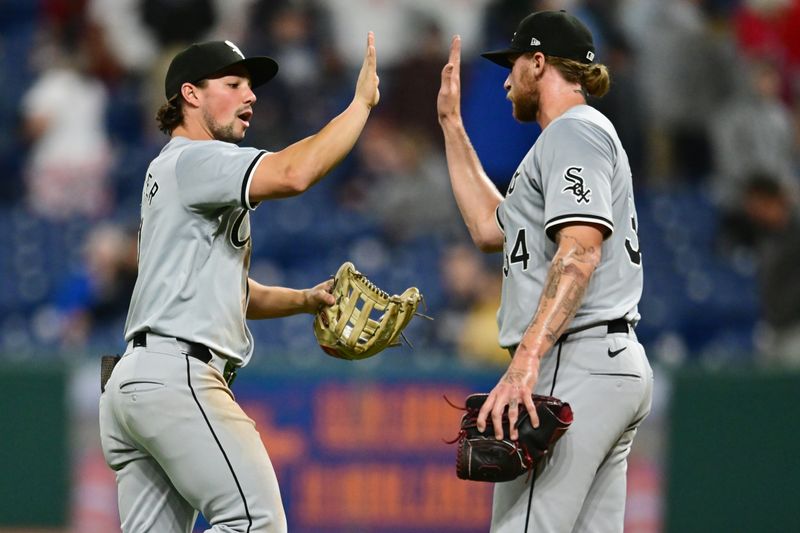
x: 364, y: 319
x: 481, y: 457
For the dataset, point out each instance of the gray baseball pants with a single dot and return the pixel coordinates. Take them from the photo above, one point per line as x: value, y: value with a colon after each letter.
x: 607, y: 380
x: 179, y: 443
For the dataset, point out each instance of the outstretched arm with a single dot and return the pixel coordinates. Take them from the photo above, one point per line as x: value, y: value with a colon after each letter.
x: 577, y: 257
x: 300, y: 165
x: 476, y: 195
x: 276, y: 302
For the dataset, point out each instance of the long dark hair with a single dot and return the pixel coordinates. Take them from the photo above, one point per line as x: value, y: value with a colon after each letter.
x: 170, y: 115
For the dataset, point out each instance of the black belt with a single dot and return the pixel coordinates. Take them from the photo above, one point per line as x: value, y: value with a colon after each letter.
x: 193, y: 349
x: 619, y: 325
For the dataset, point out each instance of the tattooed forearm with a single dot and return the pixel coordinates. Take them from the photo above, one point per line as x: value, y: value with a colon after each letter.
x: 564, y: 289
x: 553, y: 279
x: 555, y: 312
x: 576, y: 251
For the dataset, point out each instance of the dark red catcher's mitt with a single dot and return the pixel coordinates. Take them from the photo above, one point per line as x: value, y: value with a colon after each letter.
x: 481, y: 457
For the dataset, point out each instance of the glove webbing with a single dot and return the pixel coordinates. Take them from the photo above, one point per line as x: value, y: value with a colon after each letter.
x: 358, y: 319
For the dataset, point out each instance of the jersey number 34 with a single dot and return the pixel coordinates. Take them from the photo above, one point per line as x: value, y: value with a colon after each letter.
x: 519, y: 252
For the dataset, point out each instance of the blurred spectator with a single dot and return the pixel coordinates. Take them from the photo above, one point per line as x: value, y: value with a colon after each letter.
x: 684, y: 69
x: 769, y: 29
x: 176, y: 22
x: 143, y: 35
x: 770, y: 216
x: 294, y: 33
x: 623, y: 103
x: 413, y: 83
x: 402, y: 183
x: 311, y: 86
x: 468, y: 323
x: 136, y: 31
x: 393, y: 23
x: 18, y: 24
x: 123, y: 28
x: 502, y: 16
x: 753, y: 133
x: 740, y: 232
x: 67, y: 172
x: 96, y: 297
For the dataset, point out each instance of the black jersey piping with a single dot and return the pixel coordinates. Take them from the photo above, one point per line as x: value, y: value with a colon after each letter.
x: 558, y: 363
x: 548, y: 226
x: 533, y: 475
x: 219, y: 444
x: 497, y: 217
x: 615, y: 374
x: 248, y: 178
x: 530, y: 500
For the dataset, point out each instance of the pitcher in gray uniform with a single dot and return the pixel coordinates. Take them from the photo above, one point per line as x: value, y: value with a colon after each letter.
x: 170, y: 426
x: 572, y: 275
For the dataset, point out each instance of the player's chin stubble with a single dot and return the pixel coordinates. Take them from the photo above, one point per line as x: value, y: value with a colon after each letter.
x: 226, y: 132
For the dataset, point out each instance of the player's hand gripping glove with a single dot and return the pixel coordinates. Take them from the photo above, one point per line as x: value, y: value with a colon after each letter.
x: 481, y: 457
x: 364, y: 319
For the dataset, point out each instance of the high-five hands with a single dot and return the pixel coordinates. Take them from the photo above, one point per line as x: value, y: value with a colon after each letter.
x: 448, y: 102
x: 367, y: 84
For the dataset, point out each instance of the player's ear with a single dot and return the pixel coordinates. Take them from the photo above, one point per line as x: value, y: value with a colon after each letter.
x: 538, y: 60
x: 190, y: 93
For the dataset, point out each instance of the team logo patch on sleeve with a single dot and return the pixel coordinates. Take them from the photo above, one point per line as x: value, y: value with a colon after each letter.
x: 576, y: 185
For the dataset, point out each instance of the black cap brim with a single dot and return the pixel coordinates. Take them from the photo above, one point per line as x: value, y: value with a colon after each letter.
x: 500, y: 57
x: 261, y: 69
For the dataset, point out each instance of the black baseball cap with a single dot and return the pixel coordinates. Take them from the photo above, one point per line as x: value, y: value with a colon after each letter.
x: 554, y: 33
x: 201, y: 60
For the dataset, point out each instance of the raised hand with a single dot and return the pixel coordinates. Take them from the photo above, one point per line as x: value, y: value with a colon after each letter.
x: 448, y: 102
x: 367, y: 84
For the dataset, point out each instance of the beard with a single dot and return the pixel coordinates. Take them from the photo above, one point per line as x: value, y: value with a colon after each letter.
x: 525, y: 107
x: 525, y: 98
x: 223, y: 132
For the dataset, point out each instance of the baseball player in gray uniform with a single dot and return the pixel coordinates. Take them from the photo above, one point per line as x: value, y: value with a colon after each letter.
x: 170, y: 426
x: 572, y: 275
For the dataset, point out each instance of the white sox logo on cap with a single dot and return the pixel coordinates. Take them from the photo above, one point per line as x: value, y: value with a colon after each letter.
x: 235, y: 48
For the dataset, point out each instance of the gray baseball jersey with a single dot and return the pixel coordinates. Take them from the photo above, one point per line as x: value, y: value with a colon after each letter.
x: 577, y: 171
x: 194, y: 246
x: 170, y: 427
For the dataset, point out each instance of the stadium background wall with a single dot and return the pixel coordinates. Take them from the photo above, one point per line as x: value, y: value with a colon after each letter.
x: 362, y: 450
